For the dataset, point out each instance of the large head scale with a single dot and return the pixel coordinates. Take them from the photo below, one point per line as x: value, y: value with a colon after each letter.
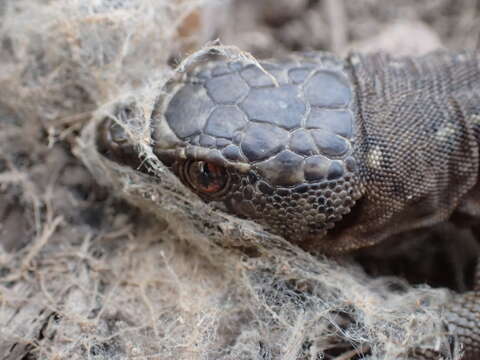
x: 271, y: 143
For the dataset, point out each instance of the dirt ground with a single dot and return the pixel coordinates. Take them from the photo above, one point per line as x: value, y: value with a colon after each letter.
x: 88, y: 273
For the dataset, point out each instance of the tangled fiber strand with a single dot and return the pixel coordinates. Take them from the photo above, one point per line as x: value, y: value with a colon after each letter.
x: 86, y: 275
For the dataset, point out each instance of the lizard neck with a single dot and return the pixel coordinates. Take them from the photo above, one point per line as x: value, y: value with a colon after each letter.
x: 417, y: 141
x: 468, y: 103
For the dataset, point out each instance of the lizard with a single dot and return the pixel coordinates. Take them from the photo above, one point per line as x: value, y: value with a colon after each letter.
x: 334, y: 154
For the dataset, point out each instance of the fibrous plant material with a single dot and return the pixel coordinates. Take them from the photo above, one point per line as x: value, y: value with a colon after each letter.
x: 85, y: 275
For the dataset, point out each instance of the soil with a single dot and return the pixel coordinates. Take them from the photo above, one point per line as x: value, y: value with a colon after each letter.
x: 84, y: 274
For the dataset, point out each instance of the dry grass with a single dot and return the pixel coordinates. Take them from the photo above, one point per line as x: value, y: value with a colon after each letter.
x: 86, y: 275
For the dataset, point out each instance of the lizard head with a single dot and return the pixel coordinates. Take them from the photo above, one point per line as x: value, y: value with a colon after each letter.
x: 270, y: 143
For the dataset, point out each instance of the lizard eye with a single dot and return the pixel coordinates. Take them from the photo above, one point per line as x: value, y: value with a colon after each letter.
x: 206, y: 177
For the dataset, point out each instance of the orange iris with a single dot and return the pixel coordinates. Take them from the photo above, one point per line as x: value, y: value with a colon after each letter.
x: 207, y: 177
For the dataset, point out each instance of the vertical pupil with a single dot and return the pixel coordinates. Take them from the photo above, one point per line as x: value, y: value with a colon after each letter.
x: 205, y: 175
x: 206, y: 169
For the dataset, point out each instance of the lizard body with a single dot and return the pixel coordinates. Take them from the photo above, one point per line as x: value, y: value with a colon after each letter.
x: 333, y: 154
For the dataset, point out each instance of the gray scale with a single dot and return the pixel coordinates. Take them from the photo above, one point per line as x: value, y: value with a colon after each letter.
x: 195, y: 140
x: 207, y: 141
x: 227, y: 89
x: 225, y: 121
x: 255, y: 77
x: 329, y: 144
x: 191, y: 99
x: 262, y: 141
x: 221, y: 69
x: 222, y: 142
x: 232, y: 152
x: 204, y: 74
x: 304, y: 125
x: 214, y: 155
x: 335, y: 171
x: 339, y: 93
x: 316, y: 168
x: 278, y: 71
x: 281, y: 106
x: 285, y: 168
x: 302, y: 143
x: 339, y: 122
x: 236, y: 65
x: 299, y: 75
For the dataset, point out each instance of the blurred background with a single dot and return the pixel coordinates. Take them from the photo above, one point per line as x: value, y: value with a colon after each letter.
x: 270, y: 27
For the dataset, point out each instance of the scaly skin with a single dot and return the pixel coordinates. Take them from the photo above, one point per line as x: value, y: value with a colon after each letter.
x: 332, y: 154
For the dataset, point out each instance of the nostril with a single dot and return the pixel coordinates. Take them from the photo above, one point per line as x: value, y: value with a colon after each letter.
x: 114, y: 143
x: 114, y: 132
x: 118, y: 133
